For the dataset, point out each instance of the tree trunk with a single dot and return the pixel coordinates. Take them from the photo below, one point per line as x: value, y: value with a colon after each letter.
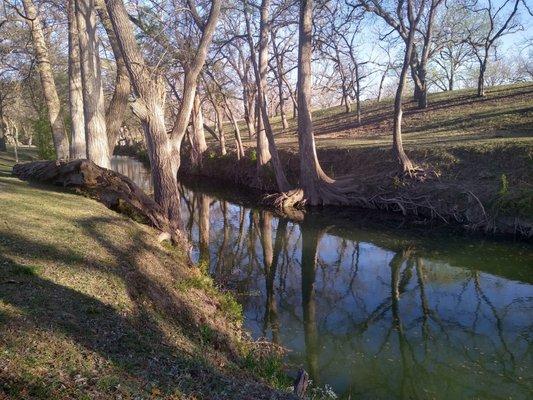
x: 149, y: 87
x: 53, y: 105
x: 279, y: 80
x: 357, y: 93
x: 116, y: 110
x: 93, y: 93
x: 315, y: 184
x: 199, y: 146
x: 109, y: 187
x: 263, y: 154
x: 423, y: 95
x: 3, y: 129
x: 248, y: 110
x: 264, y: 33
x: 238, y: 140
x: 481, y: 77
x: 397, y: 146
x: 220, y: 125
x: 78, y: 146
x: 451, y: 78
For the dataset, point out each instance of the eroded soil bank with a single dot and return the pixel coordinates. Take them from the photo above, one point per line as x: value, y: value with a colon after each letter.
x: 478, y: 188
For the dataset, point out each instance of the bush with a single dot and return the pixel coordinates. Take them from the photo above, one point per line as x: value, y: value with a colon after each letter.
x: 43, y: 138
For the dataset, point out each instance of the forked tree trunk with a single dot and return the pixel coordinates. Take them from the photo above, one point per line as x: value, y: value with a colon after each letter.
x: 78, y: 147
x: 53, y: 105
x: 93, y: 92
x: 149, y: 88
x: 192, y: 71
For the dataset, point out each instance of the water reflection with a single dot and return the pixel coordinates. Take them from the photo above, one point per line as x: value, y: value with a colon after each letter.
x: 133, y: 169
x: 371, y: 319
x: 372, y: 313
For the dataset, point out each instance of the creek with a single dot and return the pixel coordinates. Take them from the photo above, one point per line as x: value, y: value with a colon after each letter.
x: 367, y: 306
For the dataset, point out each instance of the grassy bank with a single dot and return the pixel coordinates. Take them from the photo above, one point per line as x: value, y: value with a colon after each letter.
x: 93, y: 307
x: 478, y: 152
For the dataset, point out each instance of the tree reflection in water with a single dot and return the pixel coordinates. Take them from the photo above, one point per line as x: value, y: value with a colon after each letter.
x: 372, y: 315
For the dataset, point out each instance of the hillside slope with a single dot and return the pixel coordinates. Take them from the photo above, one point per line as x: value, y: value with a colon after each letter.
x: 478, y: 153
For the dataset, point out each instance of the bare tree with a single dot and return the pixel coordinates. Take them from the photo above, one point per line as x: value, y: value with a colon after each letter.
x: 149, y: 88
x: 44, y: 66
x: 398, y: 19
x: 92, y: 88
x: 116, y: 109
x: 495, y: 22
x: 78, y: 147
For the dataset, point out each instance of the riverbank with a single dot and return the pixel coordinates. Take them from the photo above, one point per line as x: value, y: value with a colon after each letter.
x: 92, y: 306
x: 478, y: 154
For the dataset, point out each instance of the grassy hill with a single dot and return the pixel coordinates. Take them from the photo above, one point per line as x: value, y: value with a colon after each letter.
x: 456, y: 118
x: 479, y: 152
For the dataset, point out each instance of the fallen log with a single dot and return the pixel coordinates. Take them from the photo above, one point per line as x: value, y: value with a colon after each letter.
x: 114, y: 190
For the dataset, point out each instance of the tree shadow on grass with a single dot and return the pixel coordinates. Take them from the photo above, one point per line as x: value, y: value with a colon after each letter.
x: 134, y: 342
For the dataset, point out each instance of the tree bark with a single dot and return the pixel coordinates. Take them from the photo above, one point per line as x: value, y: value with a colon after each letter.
x: 316, y: 185
x: 93, y: 93
x: 116, y: 109
x: 198, y: 143
x: 53, y: 105
x: 264, y: 33
x: 78, y: 146
x: 397, y: 144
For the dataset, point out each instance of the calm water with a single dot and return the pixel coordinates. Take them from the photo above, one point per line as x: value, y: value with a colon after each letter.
x: 371, y: 309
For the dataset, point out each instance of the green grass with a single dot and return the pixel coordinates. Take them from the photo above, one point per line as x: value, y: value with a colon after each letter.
x: 89, y: 306
x: 456, y: 118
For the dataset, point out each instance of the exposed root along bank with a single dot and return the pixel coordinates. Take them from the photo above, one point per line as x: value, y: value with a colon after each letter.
x: 467, y: 192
